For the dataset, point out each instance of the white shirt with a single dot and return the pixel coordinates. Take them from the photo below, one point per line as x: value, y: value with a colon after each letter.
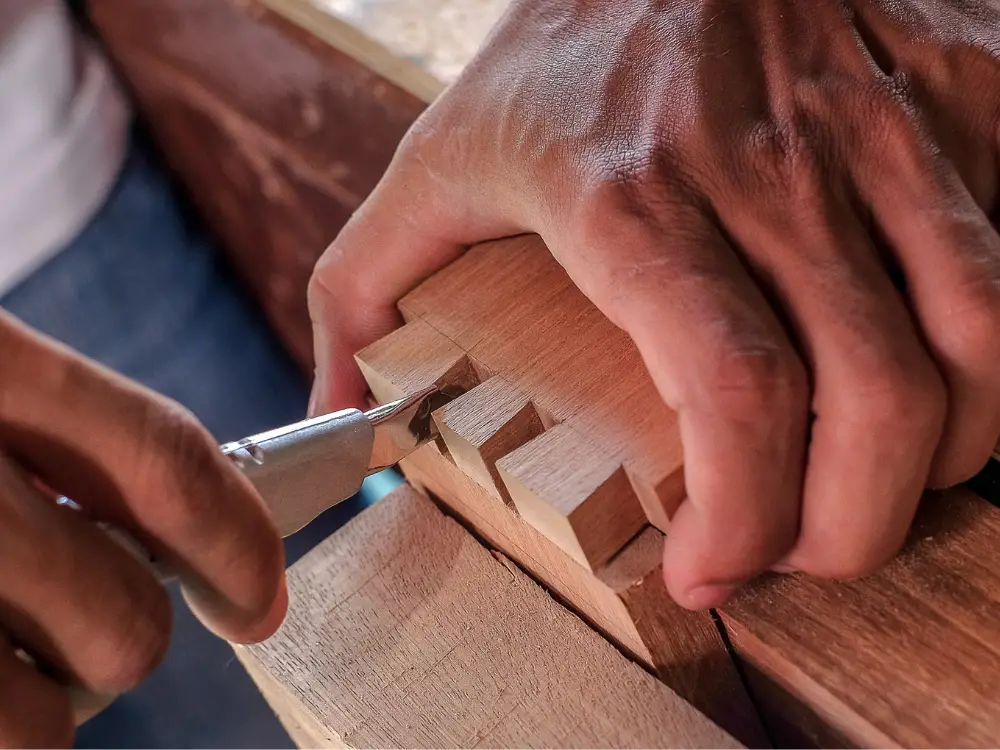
x: 63, y: 134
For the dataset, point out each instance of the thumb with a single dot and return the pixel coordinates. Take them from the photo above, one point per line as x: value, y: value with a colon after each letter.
x: 408, y: 228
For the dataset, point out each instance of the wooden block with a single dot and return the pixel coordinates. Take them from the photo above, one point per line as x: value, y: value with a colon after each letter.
x: 908, y: 657
x: 531, y: 326
x: 421, y: 353
x: 500, y: 526
x: 577, y: 497
x: 414, y: 357
x: 484, y: 425
x: 403, y: 631
x: 625, y: 600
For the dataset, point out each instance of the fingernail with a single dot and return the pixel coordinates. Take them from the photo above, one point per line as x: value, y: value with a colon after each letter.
x: 273, y: 619
x: 221, y: 618
x: 711, y: 594
x: 315, y: 396
x: 784, y: 568
x: 86, y: 704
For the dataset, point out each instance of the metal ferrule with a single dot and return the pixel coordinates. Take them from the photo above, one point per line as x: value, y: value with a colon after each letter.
x: 302, y: 469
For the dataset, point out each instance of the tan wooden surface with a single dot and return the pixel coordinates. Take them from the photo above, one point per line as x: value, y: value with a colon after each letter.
x: 625, y: 600
x: 421, y: 46
x: 404, y: 631
x: 909, y: 656
x: 503, y: 337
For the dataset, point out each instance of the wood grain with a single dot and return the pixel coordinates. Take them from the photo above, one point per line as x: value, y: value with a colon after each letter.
x: 626, y: 600
x: 404, y: 631
x: 633, y: 611
x: 413, y: 357
x: 908, y: 657
x: 632, y: 607
x: 535, y: 329
x: 578, y: 497
x: 485, y: 424
x: 500, y: 527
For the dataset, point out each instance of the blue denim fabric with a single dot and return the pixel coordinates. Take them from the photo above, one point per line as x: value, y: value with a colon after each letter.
x: 144, y: 291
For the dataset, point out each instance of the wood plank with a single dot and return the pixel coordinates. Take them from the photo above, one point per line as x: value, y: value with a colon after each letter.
x: 910, y: 656
x: 579, y: 498
x: 304, y: 729
x: 404, y: 631
x: 420, y: 47
x: 594, y: 378
x: 626, y: 600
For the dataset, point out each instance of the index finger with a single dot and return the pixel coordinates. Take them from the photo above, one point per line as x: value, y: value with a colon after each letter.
x: 140, y: 461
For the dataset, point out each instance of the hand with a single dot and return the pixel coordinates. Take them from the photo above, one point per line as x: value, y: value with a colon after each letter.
x: 784, y: 204
x: 77, y: 611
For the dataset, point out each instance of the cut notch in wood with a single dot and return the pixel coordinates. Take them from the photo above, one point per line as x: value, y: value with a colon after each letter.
x: 413, y: 357
x: 659, y: 499
x: 580, y: 499
x: 484, y: 425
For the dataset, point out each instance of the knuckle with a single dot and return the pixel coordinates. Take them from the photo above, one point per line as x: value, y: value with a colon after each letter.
x: 972, y: 332
x: 635, y: 184
x: 894, y: 130
x: 357, y: 295
x: 433, y: 147
x: 319, y: 293
x: 422, y: 136
x: 133, y: 647
x: 889, y: 103
x: 786, y: 152
x: 339, y: 289
x: 898, y: 93
x: 343, y: 281
x: 898, y: 394
x: 748, y: 380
